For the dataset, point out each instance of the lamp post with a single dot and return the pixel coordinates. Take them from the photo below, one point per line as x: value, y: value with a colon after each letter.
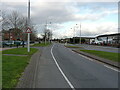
x: 74, y: 33
x: 80, y: 33
x: 28, y: 25
x: 50, y: 32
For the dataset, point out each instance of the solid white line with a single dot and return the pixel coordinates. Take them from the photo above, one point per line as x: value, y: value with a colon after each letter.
x: 111, y: 68
x: 61, y: 70
x: 98, y: 62
x: 86, y: 57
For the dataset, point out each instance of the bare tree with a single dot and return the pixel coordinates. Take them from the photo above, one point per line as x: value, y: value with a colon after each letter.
x: 18, y: 23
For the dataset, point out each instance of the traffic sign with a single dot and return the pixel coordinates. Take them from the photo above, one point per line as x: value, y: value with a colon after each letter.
x: 28, y: 30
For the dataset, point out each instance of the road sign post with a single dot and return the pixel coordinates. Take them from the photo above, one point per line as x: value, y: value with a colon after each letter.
x: 28, y: 31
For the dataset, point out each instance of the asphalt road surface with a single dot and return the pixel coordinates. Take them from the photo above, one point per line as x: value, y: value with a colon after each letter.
x: 59, y: 67
x: 99, y: 48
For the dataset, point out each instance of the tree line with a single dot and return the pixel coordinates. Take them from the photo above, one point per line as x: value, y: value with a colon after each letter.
x: 16, y: 23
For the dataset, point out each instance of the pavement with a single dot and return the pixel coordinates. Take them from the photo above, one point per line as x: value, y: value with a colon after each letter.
x: 1, y: 49
x: 59, y: 67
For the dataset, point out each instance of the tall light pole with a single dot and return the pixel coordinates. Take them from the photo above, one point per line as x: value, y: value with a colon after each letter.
x: 45, y: 31
x: 28, y: 25
x: 50, y: 32
x: 74, y: 34
x: 80, y: 33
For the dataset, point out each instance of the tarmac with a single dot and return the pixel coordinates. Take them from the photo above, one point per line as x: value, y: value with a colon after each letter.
x: 106, y: 61
x: 28, y: 79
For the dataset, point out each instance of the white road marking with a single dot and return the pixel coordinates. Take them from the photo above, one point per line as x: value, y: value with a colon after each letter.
x: 112, y: 68
x: 86, y: 57
x: 70, y: 84
x: 98, y: 62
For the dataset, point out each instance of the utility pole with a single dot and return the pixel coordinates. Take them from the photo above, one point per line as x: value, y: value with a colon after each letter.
x: 50, y: 37
x: 74, y: 35
x: 45, y: 31
x: 28, y: 25
x: 80, y: 33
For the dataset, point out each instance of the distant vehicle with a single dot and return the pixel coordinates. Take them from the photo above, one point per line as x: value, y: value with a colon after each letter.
x: 22, y: 43
x: 98, y: 42
x: 32, y: 42
x: 7, y: 43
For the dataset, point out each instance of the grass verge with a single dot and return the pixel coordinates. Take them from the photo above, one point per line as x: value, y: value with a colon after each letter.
x: 41, y: 44
x: 72, y: 46
x: 107, y: 55
x: 0, y: 70
x: 13, y: 66
x: 21, y: 51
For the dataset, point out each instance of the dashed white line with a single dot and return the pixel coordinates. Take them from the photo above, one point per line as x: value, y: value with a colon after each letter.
x: 70, y: 84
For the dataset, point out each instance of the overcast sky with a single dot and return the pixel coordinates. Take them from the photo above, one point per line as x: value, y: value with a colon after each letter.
x: 96, y: 18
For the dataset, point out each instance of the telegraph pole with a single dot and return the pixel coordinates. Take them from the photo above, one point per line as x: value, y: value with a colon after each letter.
x: 74, y: 35
x: 28, y: 25
x: 45, y: 31
x: 80, y: 33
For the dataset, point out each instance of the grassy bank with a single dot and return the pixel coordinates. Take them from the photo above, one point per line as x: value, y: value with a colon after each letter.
x: 41, y: 44
x: 107, y: 55
x: 72, y: 46
x: 21, y: 51
x: 13, y: 66
x: 0, y: 69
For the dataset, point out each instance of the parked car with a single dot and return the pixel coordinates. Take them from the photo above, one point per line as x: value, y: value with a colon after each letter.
x: 23, y: 42
x: 17, y: 42
x: 32, y: 42
x: 98, y: 42
x: 7, y: 43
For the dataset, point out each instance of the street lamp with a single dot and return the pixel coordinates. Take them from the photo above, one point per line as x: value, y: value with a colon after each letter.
x: 50, y: 32
x: 47, y: 31
x: 74, y: 33
x: 80, y: 34
x: 28, y: 25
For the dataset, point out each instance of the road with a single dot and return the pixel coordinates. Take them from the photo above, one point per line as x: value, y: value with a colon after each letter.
x: 99, y: 48
x: 59, y: 67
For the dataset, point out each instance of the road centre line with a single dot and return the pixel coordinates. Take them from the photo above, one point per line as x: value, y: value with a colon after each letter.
x: 69, y: 83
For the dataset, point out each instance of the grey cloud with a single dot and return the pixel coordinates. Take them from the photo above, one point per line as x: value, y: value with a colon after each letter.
x: 60, y: 13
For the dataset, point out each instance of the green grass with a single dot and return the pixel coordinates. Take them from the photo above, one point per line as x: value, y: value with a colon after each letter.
x: 107, y: 55
x: 72, y: 46
x: 13, y: 66
x: 0, y: 70
x: 21, y: 51
x: 41, y: 44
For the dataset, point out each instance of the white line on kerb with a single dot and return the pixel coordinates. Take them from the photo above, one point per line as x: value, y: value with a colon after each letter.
x: 86, y: 57
x: 111, y: 68
x: 61, y: 70
x: 98, y: 61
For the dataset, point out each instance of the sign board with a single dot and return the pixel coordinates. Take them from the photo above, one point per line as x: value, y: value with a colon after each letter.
x: 28, y: 30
